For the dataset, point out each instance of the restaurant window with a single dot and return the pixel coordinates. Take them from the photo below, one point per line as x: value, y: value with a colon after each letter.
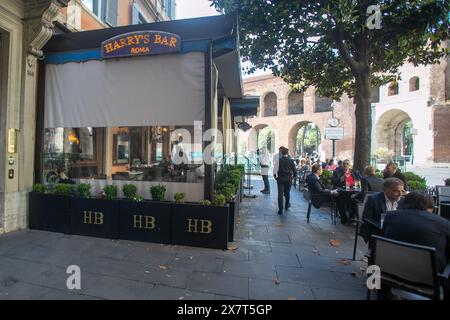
x: 72, y: 152
x: 323, y: 104
x: 105, y: 10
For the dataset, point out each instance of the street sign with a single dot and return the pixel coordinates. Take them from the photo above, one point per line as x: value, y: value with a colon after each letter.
x: 334, y: 133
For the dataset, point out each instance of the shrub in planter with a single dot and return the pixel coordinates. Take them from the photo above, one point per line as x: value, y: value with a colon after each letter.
x: 129, y: 191
x: 447, y: 181
x: 417, y: 185
x: 326, y: 178
x: 40, y: 188
x: 179, y: 197
x: 84, y: 190
x: 158, y: 192
x: 227, y: 190
x: 205, y: 202
x: 411, y: 176
x: 138, y: 198
x: 219, y: 200
x: 110, y: 192
x: 63, y: 189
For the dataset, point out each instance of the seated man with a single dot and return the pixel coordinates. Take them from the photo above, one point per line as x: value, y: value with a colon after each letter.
x: 317, y: 190
x: 415, y: 223
x: 370, y: 181
x: 382, y: 202
x: 391, y: 171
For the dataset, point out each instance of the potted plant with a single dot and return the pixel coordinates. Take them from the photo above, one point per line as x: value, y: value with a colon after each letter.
x: 93, y: 216
x: 83, y: 190
x: 202, y: 224
x: 129, y: 191
x: 49, y: 211
x: 141, y: 220
x: 179, y: 197
x: 158, y: 192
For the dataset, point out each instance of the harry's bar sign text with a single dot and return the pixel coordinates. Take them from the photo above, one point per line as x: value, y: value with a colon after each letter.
x: 141, y: 43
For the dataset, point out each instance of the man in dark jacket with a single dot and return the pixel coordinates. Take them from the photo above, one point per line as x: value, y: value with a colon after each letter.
x: 391, y: 171
x: 316, y: 189
x: 284, y: 176
x: 380, y: 203
x: 415, y: 223
x: 371, y: 182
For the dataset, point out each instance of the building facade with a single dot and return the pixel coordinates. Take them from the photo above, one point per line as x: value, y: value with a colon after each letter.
x: 409, y: 118
x: 25, y: 27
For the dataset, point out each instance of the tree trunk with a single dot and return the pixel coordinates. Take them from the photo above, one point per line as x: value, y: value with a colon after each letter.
x: 363, y: 115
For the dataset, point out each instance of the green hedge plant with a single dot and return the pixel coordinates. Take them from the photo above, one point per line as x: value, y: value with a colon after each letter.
x: 63, y: 189
x: 83, y: 190
x: 205, y: 202
x: 129, y: 191
x: 110, y: 192
x: 158, y: 192
x: 219, y: 200
x: 179, y: 197
x: 40, y: 188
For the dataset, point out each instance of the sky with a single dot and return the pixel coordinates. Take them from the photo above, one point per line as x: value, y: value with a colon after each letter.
x: 199, y: 8
x: 194, y: 8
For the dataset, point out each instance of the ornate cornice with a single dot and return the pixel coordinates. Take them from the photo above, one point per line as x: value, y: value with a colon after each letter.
x: 40, y: 15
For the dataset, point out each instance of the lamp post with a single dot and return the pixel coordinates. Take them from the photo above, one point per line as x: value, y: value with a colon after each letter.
x: 333, y: 141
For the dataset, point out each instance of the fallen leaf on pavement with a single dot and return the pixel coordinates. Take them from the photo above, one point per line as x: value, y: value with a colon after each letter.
x: 233, y: 248
x: 344, y: 261
x: 291, y: 298
x: 316, y: 251
x: 279, y: 225
x: 163, y: 267
x: 276, y: 280
x: 335, y: 243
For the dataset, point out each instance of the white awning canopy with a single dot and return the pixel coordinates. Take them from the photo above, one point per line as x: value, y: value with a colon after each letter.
x: 138, y: 91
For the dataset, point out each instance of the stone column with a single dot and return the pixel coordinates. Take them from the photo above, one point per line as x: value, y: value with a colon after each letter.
x: 37, y: 30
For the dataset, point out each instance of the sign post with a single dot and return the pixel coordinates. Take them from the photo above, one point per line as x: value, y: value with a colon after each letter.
x: 334, y: 134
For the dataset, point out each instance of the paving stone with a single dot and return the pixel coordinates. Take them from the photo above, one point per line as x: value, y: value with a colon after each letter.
x: 281, y: 259
x: 307, y: 276
x: 269, y: 290
x: 21, y: 291
x: 219, y: 284
x: 64, y: 295
x: 197, y: 263
x: 249, y: 270
x: 335, y: 294
x: 160, y: 292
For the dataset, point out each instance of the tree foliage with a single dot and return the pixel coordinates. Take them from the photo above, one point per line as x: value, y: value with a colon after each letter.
x: 326, y: 43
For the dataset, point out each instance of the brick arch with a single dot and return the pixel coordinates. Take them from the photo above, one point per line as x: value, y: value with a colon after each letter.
x: 254, y: 135
x: 389, y: 130
x: 292, y: 138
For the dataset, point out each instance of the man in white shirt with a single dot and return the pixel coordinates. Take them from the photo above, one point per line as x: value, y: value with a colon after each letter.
x: 380, y: 203
x: 264, y: 161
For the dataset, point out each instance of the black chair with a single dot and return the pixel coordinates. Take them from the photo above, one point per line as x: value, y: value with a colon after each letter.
x: 359, y: 221
x: 408, y: 267
x: 310, y: 197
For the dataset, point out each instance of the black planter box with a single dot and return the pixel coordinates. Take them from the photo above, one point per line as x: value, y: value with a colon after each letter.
x: 200, y: 226
x: 148, y: 221
x: 94, y: 217
x: 49, y: 212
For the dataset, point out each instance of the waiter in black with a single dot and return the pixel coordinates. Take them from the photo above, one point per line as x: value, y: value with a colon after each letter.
x: 284, y: 176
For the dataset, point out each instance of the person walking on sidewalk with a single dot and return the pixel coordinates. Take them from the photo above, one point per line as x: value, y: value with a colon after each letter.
x: 284, y: 176
x: 264, y: 160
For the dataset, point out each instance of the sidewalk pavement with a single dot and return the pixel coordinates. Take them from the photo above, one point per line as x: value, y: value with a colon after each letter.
x: 273, y: 257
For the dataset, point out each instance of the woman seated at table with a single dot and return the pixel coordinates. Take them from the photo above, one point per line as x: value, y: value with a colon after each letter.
x: 342, y: 177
